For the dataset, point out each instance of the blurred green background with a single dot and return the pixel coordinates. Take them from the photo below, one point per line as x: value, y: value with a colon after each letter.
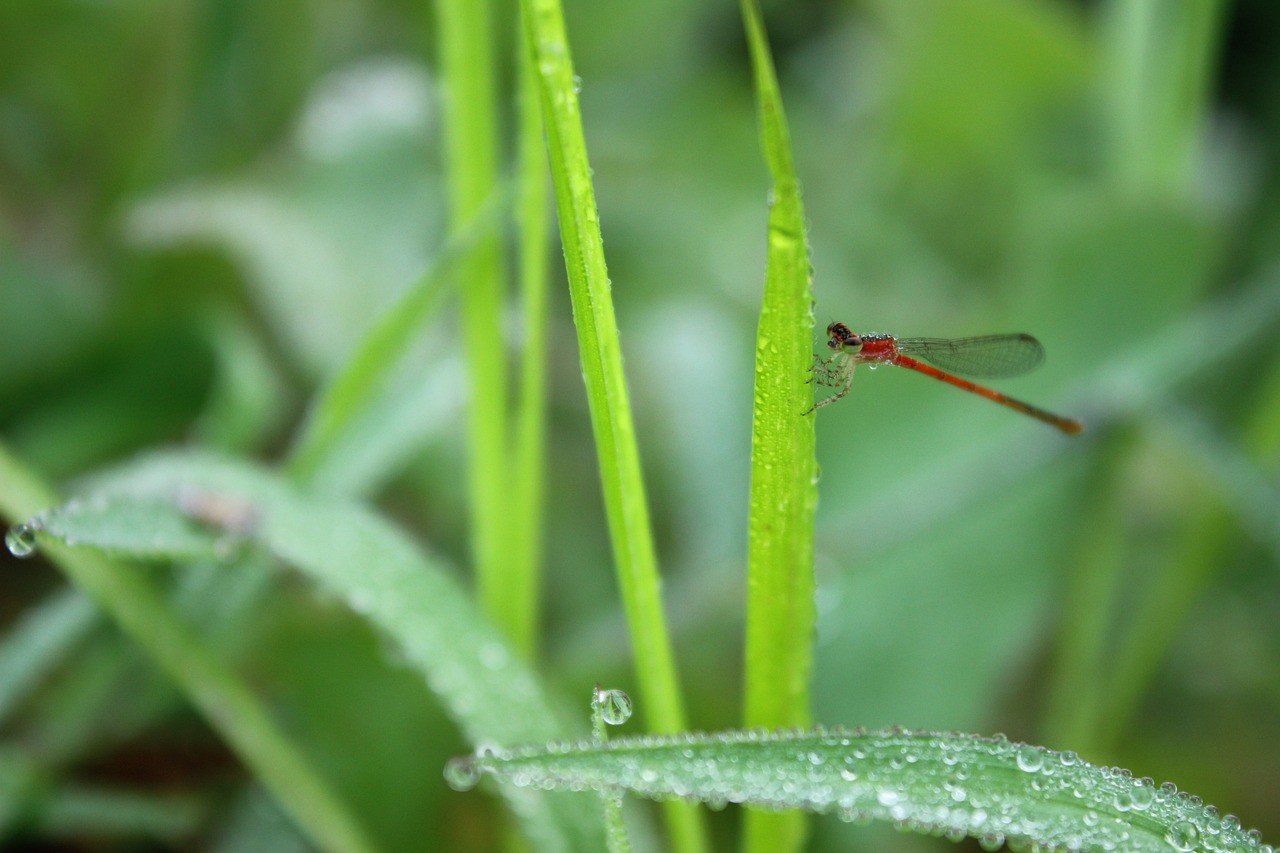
x: 204, y: 204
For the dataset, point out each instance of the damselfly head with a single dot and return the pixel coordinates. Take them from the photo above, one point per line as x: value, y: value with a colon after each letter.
x: 840, y: 337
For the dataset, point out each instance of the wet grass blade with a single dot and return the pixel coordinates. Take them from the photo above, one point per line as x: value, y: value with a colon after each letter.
x: 780, y: 587
x: 601, y: 352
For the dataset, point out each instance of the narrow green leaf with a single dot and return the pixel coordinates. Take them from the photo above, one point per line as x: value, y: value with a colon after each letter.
x: 338, y: 406
x: 1159, y: 62
x: 780, y: 588
x: 601, y: 354
x: 471, y: 162
x: 955, y: 784
x: 78, y: 811
x: 126, y: 596
x: 355, y: 556
x: 38, y: 642
x: 529, y: 453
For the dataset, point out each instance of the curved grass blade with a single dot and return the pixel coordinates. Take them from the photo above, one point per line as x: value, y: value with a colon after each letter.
x: 355, y: 556
x: 955, y: 785
x: 224, y: 700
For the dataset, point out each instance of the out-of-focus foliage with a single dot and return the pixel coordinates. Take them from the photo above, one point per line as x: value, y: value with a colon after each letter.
x: 204, y: 205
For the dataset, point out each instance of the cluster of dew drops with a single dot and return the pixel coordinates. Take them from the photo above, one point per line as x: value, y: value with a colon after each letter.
x: 608, y: 707
x: 614, y: 707
x: 1208, y: 831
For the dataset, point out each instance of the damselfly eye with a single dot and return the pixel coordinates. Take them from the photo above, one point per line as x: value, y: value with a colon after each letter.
x: 841, y: 337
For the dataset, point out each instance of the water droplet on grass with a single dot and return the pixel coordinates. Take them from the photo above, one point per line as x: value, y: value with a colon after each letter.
x: 1141, y: 797
x: 615, y: 707
x: 1030, y: 759
x: 21, y: 540
x: 462, y: 774
x: 1182, y: 835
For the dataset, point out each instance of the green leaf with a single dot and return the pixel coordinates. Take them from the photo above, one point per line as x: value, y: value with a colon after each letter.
x: 780, y: 587
x: 466, y: 36
x: 353, y: 555
x: 601, y: 353
x: 126, y: 595
x: 352, y: 392
x: 38, y: 642
x: 955, y: 785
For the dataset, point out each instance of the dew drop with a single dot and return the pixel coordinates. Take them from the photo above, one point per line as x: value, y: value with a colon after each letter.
x: 888, y: 797
x: 1142, y: 797
x: 1182, y: 835
x: 462, y: 774
x: 615, y: 706
x: 577, y: 83
x: 1030, y: 759
x: 991, y: 841
x: 21, y: 540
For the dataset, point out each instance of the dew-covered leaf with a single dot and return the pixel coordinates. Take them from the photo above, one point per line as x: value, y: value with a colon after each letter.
x: 150, y: 527
x: 180, y: 505
x: 955, y: 785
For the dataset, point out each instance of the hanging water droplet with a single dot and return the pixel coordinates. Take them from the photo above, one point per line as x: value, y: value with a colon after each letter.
x: 1182, y: 835
x: 462, y: 774
x: 577, y: 83
x: 21, y: 540
x: 991, y: 841
x: 615, y: 706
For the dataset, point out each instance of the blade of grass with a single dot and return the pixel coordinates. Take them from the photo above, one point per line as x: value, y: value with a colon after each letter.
x: 528, y: 462
x: 601, y: 354
x: 471, y: 151
x: 1091, y: 600
x: 226, y: 703
x: 350, y: 392
x: 1203, y: 547
x: 1159, y: 59
x: 780, y: 587
x: 954, y: 784
x: 352, y: 555
x: 39, y: 642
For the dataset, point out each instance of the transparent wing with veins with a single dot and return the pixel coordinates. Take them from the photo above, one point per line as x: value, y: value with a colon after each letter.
x: 985, y: 356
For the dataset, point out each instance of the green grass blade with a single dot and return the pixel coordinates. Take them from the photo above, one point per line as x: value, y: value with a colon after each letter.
x: 955, y: 785
x: 601, y: 353
x: 354, y: 556
x: 1201, y: 548
x: 354, y: 388
x: 529, y: 450
x: 226, y: 703
x: 39, y: 642
x: 780, y: 605
x: 1160, y: 58
x: 471, y: 152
